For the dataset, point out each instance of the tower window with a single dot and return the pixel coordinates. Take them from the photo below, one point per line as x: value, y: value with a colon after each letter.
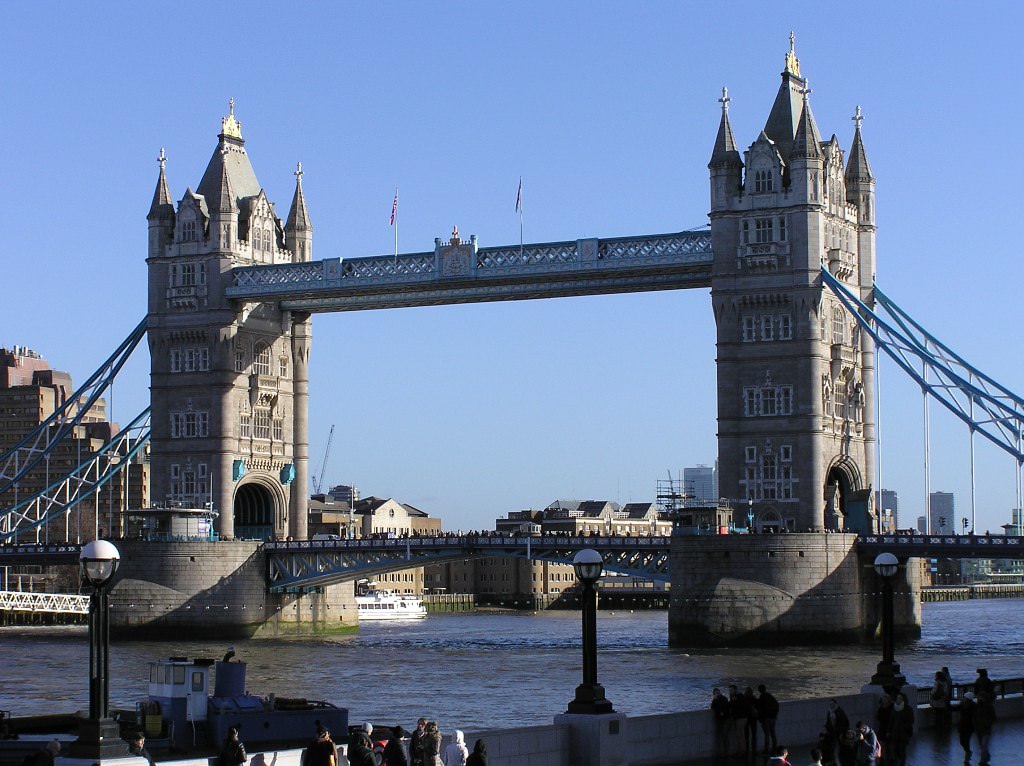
x: 261, y: 360
x: 838, y: 326
x: 764, y: 230
x: 763, y: 181
x: 749, y: 329
x: 188, y: 231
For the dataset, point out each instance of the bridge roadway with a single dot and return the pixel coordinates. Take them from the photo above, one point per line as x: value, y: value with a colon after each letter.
x: 314, y: 563
x: 457, y: 271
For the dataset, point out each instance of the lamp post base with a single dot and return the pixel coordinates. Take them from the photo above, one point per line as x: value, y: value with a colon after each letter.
x: 590, y: 700
x: 98, y: 739
x: 888, y: 675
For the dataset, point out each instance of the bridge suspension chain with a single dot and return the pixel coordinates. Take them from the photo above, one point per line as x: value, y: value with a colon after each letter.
x: 42, y: 440
x: 81, y: 483
x: 986, y: 406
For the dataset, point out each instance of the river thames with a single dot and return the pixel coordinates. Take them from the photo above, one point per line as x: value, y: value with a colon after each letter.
x: 486, y: 670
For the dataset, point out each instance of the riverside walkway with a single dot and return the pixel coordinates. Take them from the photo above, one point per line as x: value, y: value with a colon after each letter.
x: 929, y: 747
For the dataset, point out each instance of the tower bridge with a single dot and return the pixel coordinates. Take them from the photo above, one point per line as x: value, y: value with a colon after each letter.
x: 790, y: 262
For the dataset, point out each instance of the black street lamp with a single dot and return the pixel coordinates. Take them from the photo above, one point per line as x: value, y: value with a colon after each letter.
x: 590, y: 694
x: 888, y: 671
x: 99, y: 736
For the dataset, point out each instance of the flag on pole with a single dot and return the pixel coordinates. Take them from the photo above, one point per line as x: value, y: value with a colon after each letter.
x: 394, y: 208
x: 519, y: 196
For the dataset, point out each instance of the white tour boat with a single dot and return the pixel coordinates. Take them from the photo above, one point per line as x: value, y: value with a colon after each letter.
x: 387, y: 605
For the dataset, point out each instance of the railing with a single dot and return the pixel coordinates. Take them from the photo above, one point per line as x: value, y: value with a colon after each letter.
x: 52, y: 603
x: 1009, y: 687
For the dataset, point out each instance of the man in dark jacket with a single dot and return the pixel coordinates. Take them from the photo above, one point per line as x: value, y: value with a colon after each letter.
x: 416, y: 743
x: 767, y: 713
x: 836, y: 725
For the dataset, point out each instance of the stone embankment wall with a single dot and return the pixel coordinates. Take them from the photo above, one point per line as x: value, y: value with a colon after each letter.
x: 654, y: 740
x: 215, y: 590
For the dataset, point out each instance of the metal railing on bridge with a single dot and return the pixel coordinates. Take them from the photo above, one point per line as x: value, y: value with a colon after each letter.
x: 51, y: 603
x: 316, y: 563
x: 946, y: 546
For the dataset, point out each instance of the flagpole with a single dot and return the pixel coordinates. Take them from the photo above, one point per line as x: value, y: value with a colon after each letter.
x: 519, y: 206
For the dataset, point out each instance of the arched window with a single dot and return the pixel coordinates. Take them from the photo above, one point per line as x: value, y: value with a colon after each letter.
x: 266, y: 241
x: 838, y: 326
x: 188, y: 231
x: 257, y: 242
x: 261, y: 359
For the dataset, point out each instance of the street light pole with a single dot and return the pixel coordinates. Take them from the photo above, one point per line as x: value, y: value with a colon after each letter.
x: 590, y: 697
x: 888, y: 671
x: 99, y: 736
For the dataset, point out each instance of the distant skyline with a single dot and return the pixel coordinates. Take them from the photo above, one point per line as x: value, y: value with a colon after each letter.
x: 608, y: 113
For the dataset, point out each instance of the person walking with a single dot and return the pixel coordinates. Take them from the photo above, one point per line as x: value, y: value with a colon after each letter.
x: 750, y: 725
x: 456, y: 753
x: 816, y: 756
x: 938, y: 700
x: 869, y: 746
x: 394, y: 752
x: 767, y: 714
x: 723, y: 721
x: 965, y: 724
x: 836, y: 725
x: 137, y: 747
x: 432, y: 745
x: 479, y: 755
x: 416, y: 743
x: 321, y: 751
x: 901, y: 729
x: 232, y: 752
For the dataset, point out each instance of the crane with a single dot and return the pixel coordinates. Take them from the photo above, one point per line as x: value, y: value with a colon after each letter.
x: 323, y: 466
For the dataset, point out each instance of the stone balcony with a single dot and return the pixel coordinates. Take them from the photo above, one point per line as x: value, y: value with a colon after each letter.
x: 764, y: 256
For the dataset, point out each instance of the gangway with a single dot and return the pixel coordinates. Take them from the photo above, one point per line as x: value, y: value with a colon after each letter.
x: 50, y: 603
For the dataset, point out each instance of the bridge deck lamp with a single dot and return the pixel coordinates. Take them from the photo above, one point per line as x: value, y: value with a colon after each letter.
x: 99, y: 736
x: 590, y: 697
x: 888, y: 671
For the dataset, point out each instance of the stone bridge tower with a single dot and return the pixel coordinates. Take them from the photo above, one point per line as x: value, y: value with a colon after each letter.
x: 795, y: 373
x: 229, y: 381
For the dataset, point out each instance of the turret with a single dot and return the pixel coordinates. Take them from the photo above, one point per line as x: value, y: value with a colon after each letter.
x: 806, y: 160
x: 223, y: 209
x: 860, y: 191
x: 161, y: 213
x: 726, y: 166
x: 298, y: 231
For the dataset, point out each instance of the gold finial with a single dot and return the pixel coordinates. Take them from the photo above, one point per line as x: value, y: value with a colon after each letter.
x: 792, y: 62
x: 858, y: 117
x: 455, y: 236
x: 162, y: 159
x: 229, y: 126
x: 724, y: 100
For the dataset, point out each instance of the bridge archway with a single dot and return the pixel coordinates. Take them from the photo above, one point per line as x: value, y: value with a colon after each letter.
x: 256, y: 509
x: 842, y: 481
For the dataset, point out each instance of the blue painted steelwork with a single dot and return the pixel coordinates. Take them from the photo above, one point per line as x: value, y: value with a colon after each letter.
x: 547, y: 270
x: 310, y: 564
x: 81, y: 483
x: 41, y: 441
x: 979, y: 401
x: 39, y: 553
x: 945, y: 546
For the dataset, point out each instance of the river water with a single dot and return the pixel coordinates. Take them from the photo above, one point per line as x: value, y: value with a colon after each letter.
x: 486, y: 670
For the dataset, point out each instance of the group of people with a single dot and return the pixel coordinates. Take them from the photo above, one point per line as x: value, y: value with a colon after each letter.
x: 840, y: 744
x: 398, y: 748
x: 745, y: 712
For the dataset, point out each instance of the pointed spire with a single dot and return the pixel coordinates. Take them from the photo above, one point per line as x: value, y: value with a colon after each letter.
x: 221, y: 198
x: 162, y: 203
x: 857, y: 167
x: 298, y: 216
x: 807, y: 141
x: 783, y: 119
x: 725, y: 151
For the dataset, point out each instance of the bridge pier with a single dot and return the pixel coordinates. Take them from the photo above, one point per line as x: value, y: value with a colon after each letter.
x: 779, y: 589
x: 216, y: 590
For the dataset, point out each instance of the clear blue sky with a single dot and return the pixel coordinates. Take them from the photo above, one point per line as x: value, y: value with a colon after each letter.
x: 608, y: 111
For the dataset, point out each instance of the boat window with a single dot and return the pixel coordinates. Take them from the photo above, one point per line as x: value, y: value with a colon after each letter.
x: 167, y: 675
x: 154, y: 673
x: 197, y: 681
x: 179, y: 675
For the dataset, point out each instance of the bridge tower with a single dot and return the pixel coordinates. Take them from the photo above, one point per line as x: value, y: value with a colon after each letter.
x: 795, y: 374
x: 229, y: 380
